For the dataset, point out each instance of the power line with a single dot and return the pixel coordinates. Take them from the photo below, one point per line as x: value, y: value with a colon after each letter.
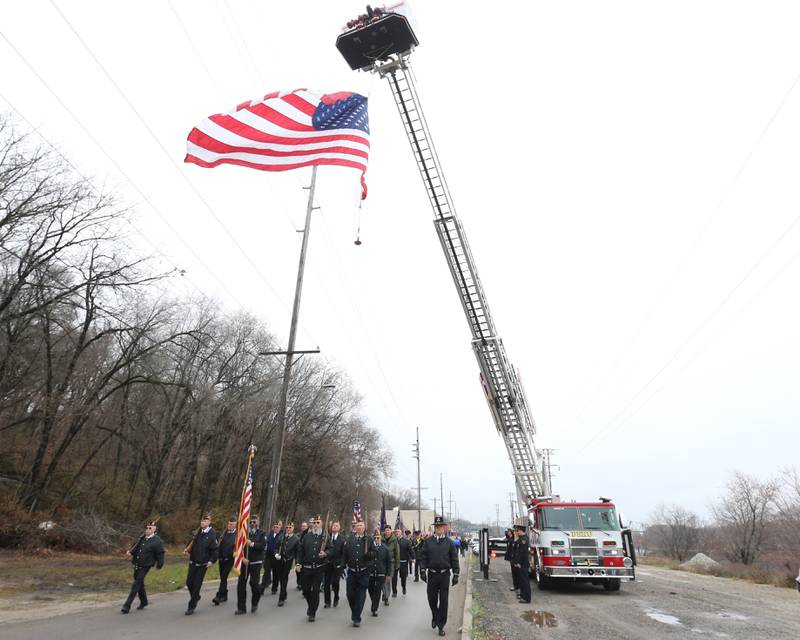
x: 681, y: 265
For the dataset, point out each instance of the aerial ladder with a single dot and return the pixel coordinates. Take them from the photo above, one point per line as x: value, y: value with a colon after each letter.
x: 381, y: 41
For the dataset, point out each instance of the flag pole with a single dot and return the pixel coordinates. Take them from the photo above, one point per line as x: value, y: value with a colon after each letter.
x: 278, y: 437
x: 241, y: 528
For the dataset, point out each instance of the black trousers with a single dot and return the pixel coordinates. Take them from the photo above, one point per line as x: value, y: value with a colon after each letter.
x: 357, y: 585
x: 514, y: 576
x: 284, y: 569
x: 225, y: 566
x: 194, y: 582
x: 376, y: 591
x: 416, y: 570
x: 137, y: 588
x: 524, y: 582
x: 438, y: 595
x: 310, y: 581
x: 250, y: 573
x: 271, y: 575
x: 331, y: 582
x: 403, y: 573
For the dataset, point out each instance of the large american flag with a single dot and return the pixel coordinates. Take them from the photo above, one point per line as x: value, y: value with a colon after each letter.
x: 356, y: 510
x: 244, y: 516
x: 286, y: 131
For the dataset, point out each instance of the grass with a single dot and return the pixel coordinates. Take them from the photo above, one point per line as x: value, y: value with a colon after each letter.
x: 759, y: 573
x: 478, y: 616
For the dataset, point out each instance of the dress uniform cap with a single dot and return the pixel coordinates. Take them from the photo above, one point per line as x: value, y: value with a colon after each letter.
x: 206, y: 516
x: 233, y: 518
x: 438, y: 520
x: 151, y: 523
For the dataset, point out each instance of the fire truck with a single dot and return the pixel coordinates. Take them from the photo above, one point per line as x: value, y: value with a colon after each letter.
x: 381, y: 41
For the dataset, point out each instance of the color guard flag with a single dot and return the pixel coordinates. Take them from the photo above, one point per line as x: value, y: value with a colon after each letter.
x: 286, y: 131
x: 244, y: 516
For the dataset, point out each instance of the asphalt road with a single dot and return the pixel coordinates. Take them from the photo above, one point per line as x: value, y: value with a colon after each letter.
x: 407, y: 617
x: 660, y: 604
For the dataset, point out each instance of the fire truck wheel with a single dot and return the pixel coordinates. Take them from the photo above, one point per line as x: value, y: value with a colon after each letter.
x: 612, y: 585
x: 542, y: 581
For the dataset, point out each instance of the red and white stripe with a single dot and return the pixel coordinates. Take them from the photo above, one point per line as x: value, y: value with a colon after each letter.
x: 275, y: 134
x: 244, y: 516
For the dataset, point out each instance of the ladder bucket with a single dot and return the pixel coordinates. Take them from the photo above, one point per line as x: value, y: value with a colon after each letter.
x: 388, y: 35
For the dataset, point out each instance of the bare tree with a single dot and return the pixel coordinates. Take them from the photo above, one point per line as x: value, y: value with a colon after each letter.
x: 674, y: 530
x: 743, y: 514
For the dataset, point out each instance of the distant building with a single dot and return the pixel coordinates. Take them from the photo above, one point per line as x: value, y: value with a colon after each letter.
x: 408, y: 518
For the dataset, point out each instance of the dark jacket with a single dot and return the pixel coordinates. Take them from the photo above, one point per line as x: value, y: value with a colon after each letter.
x: 382, y: 562
x: 522, y: 552
x: 438, y: 554
x: 287, y: 547
x: 273, y: 540
x: 357, y: 554
x: 309, y: 549
x: 406, y: 550
x: 226, y: 543
x: 148, y: 552
x: 255, y: 554
x: 509, y: 548
x: 334, y: 550
x: 204, y: 547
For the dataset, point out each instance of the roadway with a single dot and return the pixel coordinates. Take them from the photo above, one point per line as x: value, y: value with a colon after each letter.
x: 407, y: 618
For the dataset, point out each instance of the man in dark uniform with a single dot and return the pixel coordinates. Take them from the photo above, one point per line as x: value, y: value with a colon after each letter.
x: 287, y: 551
x: 380, y: 572
x: 438, y: 557
x: 202, y: 552
x: 357, y: 554
x: 522, y: 562
x: 415, y: 543
x: 406, y: 556
x: 269, y: 579
x: 311, y: 564
x: 302, y: 532
x: 251, y: 568
x: 227, y: 544
x: 508, y: 555
x: 147, y: 552
x: 333, y: 572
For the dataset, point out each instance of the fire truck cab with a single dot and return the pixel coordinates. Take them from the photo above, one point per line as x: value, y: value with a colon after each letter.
x: 579, y: 542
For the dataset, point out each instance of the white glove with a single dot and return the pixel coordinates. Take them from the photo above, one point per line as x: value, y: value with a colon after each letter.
x: 277, y: 556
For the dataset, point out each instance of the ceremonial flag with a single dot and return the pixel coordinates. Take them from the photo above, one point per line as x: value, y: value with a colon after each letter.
x: 244, y: 516
x: 398, y: 524
x: 383, y: 513
x: 356, y: 511
x: 286, y: 131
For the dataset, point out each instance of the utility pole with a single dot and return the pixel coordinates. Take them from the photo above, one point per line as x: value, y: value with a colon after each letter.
x: 419, y: 482
x: 511, y: 503
x: 549, y: 468
x: 441, y: 493
x: 435, y: 498
x: 450, y: 506
x: 497, y: 510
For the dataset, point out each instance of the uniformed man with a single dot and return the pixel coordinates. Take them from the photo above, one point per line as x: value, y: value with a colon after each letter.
x: 357, y: 553
x: 311, y: 564
x: 227, y: 544
x: 438, y: 558
x: 287, y: 552
x: 269, y: 578
x: 303, y: 529
x: 509, y: 555
x: 380, y: 572
x: 394, y: 551
x: 333, y: 572
x: 251, y: 568
x: 146, y: 553
x: 522, y: 562
x: 202, y: 552
x: 406, y: 557
x: 415, y: 543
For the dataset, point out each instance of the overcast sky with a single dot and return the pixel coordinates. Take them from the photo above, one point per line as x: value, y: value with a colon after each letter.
x: 627, y: 174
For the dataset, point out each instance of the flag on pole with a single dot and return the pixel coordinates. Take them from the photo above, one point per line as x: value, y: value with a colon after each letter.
x: 383, y: 513
x: 356, y: 511
x: 398, y: 524
x: 286, y: 131
x: 244, y: 515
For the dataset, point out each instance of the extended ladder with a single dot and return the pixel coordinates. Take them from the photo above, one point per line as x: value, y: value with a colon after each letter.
x: 506, y: 397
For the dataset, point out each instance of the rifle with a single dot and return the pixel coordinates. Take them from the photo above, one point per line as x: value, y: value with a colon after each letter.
x: 189, y: 546
x: 283, y: 539
x: 135, y: 544
x: 325, y: 533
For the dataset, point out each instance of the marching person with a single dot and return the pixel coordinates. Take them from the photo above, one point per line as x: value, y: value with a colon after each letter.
x: 417, y: 541
x: 522, y: 561
x: 227, y: 544
x: 202, y: 551
x: 287, y: 551
x: 333, y: 572
x: 394, y: 551
x: 509, y: 555
x: 251, y: 568
x: 357, y: 555
x: 406, y: 556
x: 303, y: 529
x: 438, y: 557
x: 146, y: 553
x: 270, y: 576
x: 380, y: 572
x: 311, y: 563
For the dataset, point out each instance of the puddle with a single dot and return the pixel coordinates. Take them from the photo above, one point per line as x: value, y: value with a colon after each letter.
x: 664, y: 618
x: 732, y: 615
x: 540, y: 619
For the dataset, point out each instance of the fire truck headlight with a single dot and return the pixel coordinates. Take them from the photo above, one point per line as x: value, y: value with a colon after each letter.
x: 555, y: 551
x: 612, y: 552
x: 628, y: 562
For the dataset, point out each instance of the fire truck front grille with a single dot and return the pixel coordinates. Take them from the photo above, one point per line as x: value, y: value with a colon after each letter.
x: 584, y: 547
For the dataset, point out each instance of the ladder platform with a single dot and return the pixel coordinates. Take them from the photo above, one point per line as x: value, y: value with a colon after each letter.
x: 375, y: 39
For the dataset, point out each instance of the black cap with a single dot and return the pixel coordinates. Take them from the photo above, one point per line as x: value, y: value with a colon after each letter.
x: 438, y: 520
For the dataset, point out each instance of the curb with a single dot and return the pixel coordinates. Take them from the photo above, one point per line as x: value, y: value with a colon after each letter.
x: 466, y: 620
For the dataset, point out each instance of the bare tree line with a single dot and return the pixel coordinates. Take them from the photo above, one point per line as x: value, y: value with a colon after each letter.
x: 753, y: 525
x: 117, y: 398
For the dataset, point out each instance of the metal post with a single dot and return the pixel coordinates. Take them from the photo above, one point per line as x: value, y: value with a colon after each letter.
x: 441, y: 494
x: 277, y: 442
x: 419, y: 487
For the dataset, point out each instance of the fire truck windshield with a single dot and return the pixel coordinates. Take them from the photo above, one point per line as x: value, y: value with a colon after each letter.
x: 578, y: 518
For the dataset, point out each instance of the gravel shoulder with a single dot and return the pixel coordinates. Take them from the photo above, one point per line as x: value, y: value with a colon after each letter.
x: 662, y: 603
